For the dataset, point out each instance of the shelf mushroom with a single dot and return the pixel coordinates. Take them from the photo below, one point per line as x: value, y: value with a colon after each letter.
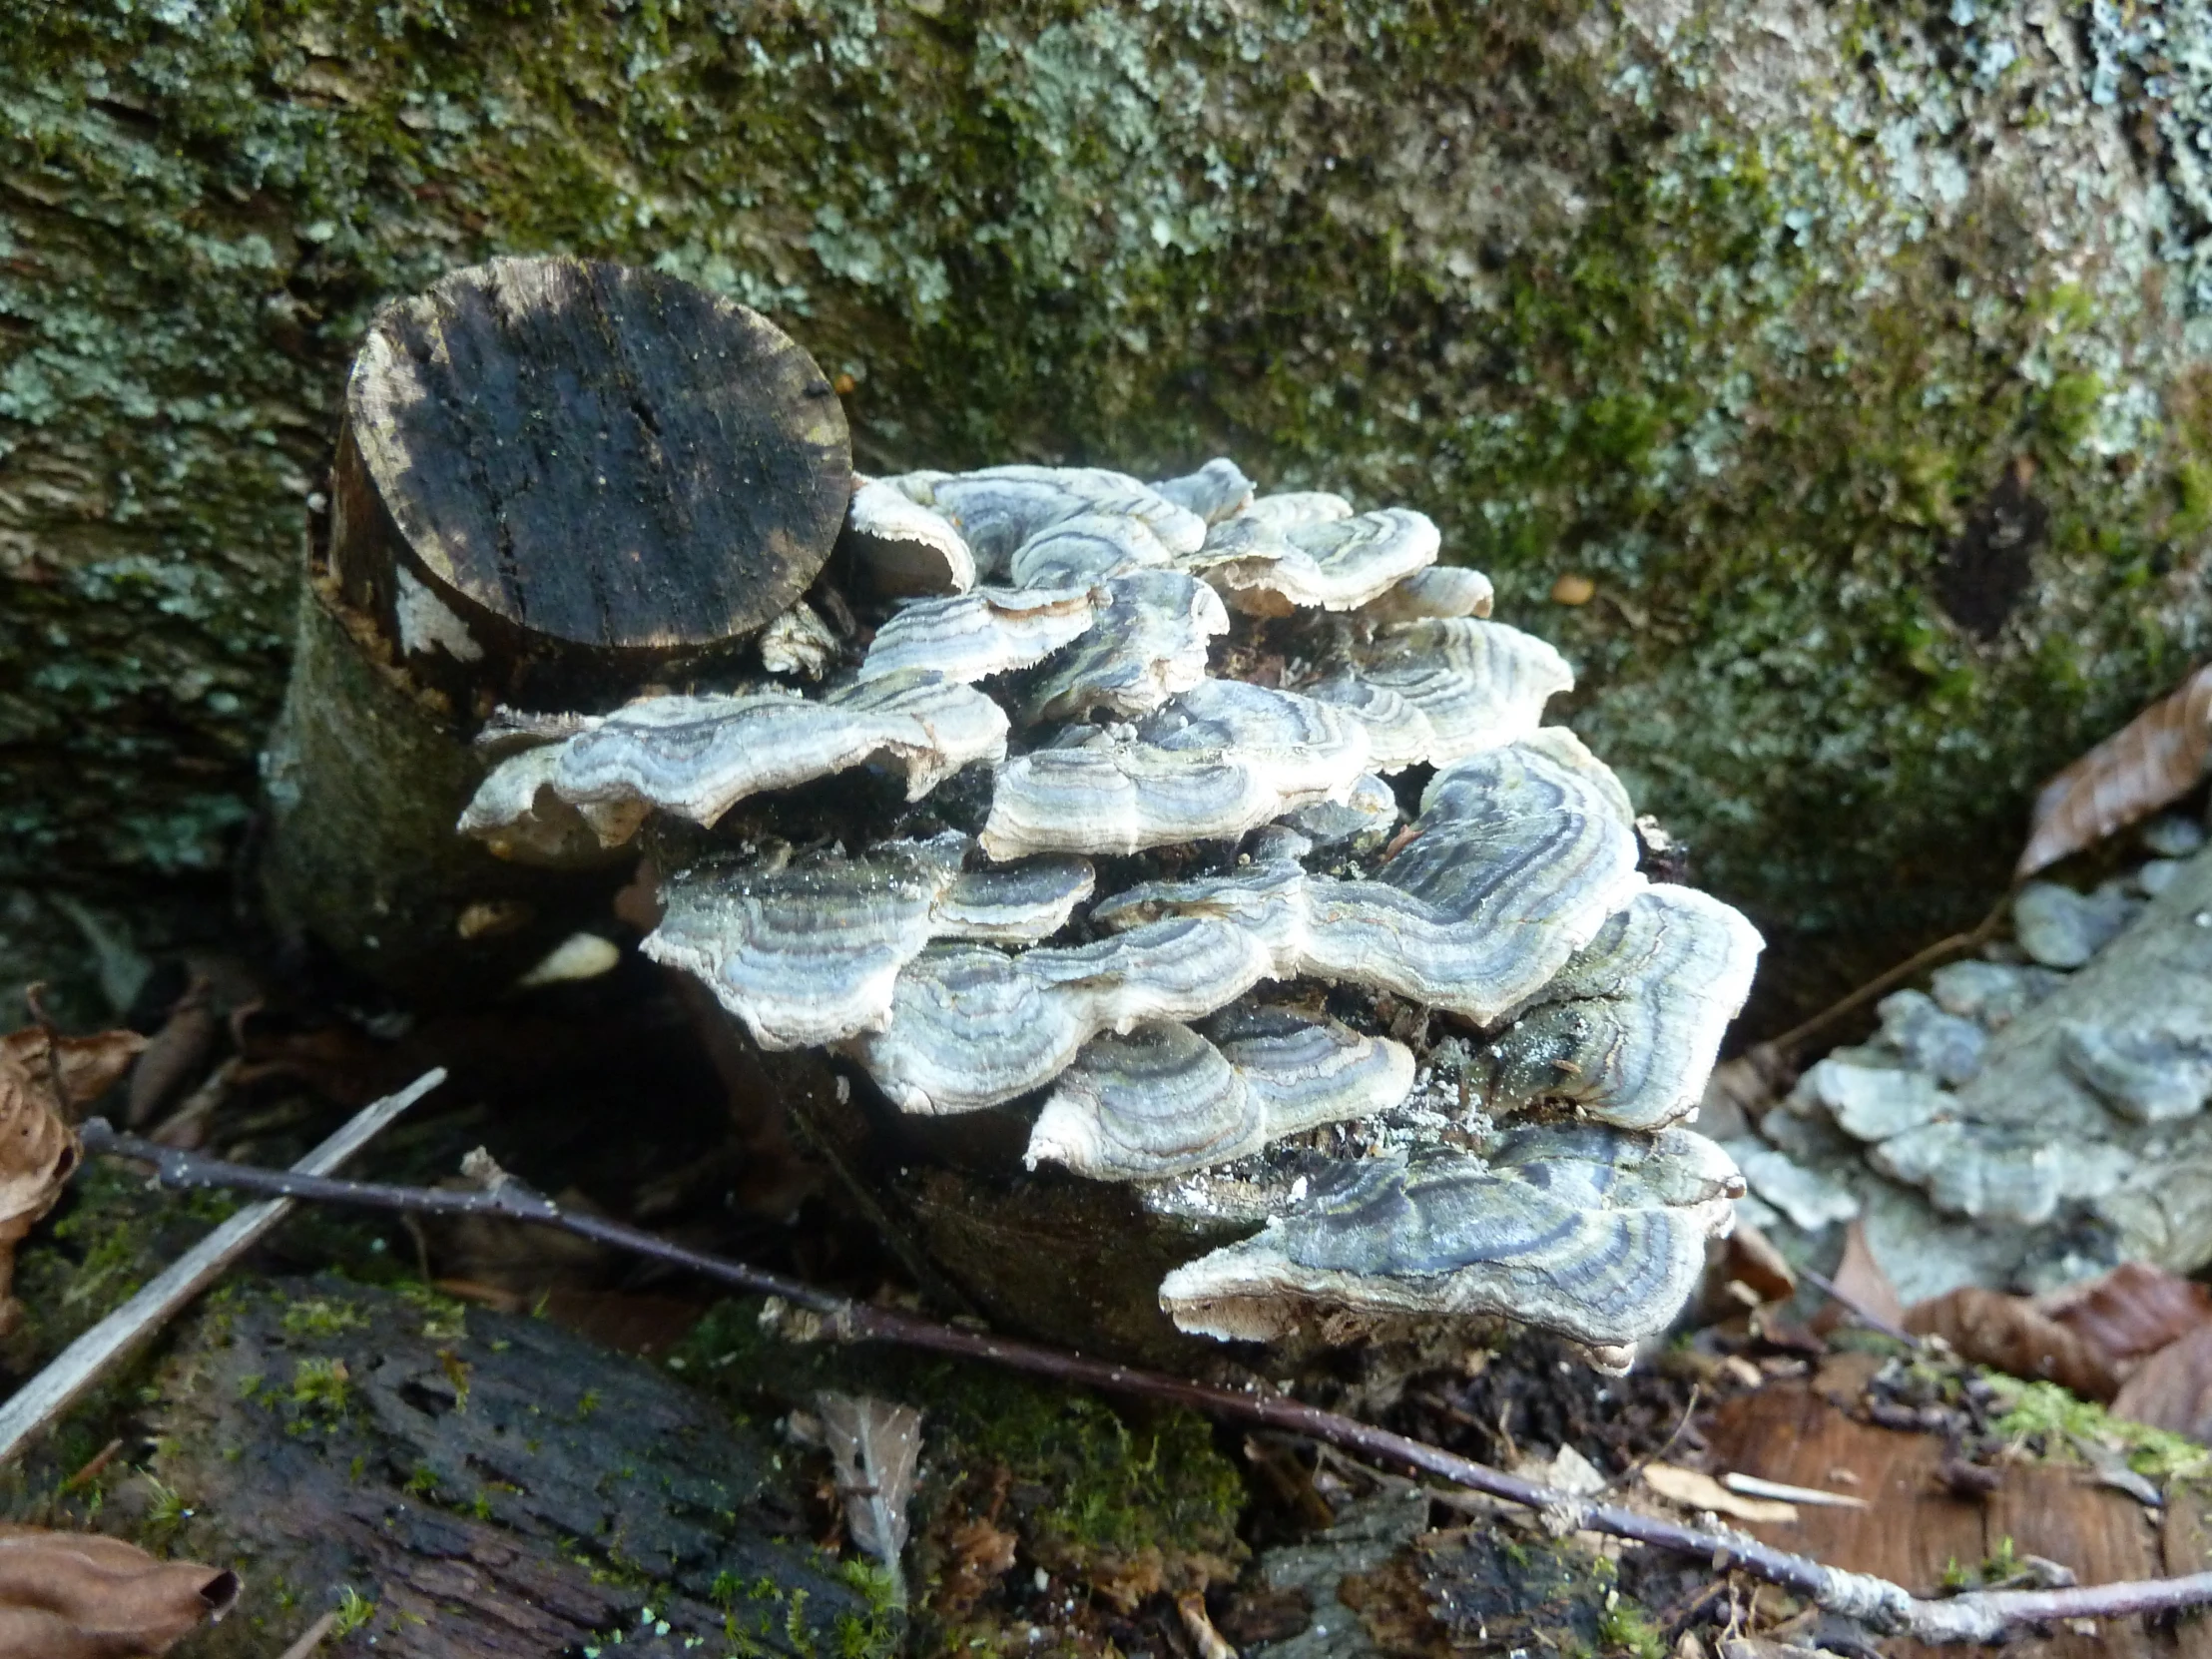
x: 1099, y: 831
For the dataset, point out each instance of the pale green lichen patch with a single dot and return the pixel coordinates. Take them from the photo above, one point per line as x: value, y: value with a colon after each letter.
x: 1746, y: 325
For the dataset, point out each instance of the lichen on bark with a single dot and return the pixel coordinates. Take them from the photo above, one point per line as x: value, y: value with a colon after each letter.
x: 1752, y: 315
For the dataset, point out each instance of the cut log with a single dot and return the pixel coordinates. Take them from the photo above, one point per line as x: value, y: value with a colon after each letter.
x: 556, y: 483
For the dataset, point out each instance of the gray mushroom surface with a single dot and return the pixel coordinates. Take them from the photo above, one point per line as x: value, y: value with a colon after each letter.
x: 1628, y: 1030
x: 1216, y: 491
x: 985, y: 632
x: 1165, y: 1101
x: 1149, y: 644
x: 971, y: 1028
x: 697, y: 757
x: 798, y: 642
x: 805, y: 951
x: 1266, y: 568
x: 1212, y: 763
x: 1439, y: 590
x: 1585, y: 1229
x: 904, y: 547
x: 1434, y: 691
x: 1512, y: 868
x: 1290, y: 509
x: 1209, y: 705
x: 998, y: 509
x: 1089, y: 547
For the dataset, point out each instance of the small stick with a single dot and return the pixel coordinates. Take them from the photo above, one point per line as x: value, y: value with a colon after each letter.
x: 1885, y: 1607
x: 1752, y: 1486
x: 91, y: 1471
x: 1855, y: 1308
x: 1792, y: 1042
x: 1628, y: 1475
x: 54, y: 1389
x: 312, y: 1637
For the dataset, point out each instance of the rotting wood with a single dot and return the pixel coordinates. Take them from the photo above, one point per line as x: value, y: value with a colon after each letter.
x: 557, y: 482
x: 1878, y: 1603
x: 488, y: 1486
x: 82, y: 1364
x: 1913, y: 1530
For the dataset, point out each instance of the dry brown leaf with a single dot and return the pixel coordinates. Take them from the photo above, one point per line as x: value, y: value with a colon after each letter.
x: 2008, y: 1334
x: 1699, y: 1492
x: 78, y: 1596
x: 2173, y: 1388
x: 38, y: 1154
x: 87, y: 1068
x: 980, y: 1551
x: 876, y: 1447
x: 175, y: 1056
x: 1862, y: 1284
x: 2133, y: 1310
x: 2155, y: 757
x: 1211, y: 1644
x: 1751, y: 1259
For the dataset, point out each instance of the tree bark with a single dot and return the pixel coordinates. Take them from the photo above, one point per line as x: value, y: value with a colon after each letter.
x: 1747, y: 314
x: 488, y: 1487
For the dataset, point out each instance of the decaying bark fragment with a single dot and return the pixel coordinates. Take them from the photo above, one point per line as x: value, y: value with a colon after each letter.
x: 485, y: 1485
x: 556, y: 483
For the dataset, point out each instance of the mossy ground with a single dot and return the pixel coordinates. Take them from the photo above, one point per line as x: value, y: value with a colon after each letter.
x: 1555, y: 280
x: 1111, y: 1503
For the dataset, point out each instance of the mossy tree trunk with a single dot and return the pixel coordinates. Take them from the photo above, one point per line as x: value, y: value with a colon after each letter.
x: 1855, y: 356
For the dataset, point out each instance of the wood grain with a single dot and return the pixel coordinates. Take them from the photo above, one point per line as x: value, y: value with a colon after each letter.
x: 577, y: 454
x: 1803, y: 1433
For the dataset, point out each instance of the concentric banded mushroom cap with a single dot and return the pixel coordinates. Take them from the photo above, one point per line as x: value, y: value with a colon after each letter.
x: 1086, y: 848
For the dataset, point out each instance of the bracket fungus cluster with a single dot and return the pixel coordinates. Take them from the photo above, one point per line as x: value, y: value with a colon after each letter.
x: 1212, y: 846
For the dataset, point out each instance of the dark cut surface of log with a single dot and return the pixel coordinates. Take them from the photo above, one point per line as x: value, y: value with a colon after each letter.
x: 557, y: 483
x: 575, y: 460
x: 497, y: 1486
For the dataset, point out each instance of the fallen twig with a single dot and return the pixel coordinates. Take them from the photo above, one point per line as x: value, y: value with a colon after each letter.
x: 312, y: 1638
x: 79, y: 1365
x: 811, y: 1312
x: 1786, y: 1048
x: 1858, y: 1309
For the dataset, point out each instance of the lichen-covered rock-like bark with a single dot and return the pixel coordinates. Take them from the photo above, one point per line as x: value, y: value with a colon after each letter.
x: 1853, y: 354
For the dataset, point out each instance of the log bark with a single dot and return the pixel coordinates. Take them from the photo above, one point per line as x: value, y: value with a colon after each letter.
x: 488, y: 1486
x: 556, y: 483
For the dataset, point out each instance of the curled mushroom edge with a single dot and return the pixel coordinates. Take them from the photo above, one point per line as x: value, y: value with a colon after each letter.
x: 1170, y: 913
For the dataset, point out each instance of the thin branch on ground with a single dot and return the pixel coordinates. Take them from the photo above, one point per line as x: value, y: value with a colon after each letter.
x: 809, y: 1312
x: 312, y: 1638
x: 84, y: 1362
x: 1628, y: 1476
x: 1855, y: 1308
x: 1787, y: 1047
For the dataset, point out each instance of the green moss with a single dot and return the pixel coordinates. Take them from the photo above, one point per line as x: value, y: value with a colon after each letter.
x: 322, y: 1386
x: 354, y: 1610
x: 1625, y: 1627
x: 314, y: 1317
x: 1115, y: 1487
x: 881, y: 1630
x: 2056, y: 1420
x: 1121, y: 1498
x: 1601, y: 318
